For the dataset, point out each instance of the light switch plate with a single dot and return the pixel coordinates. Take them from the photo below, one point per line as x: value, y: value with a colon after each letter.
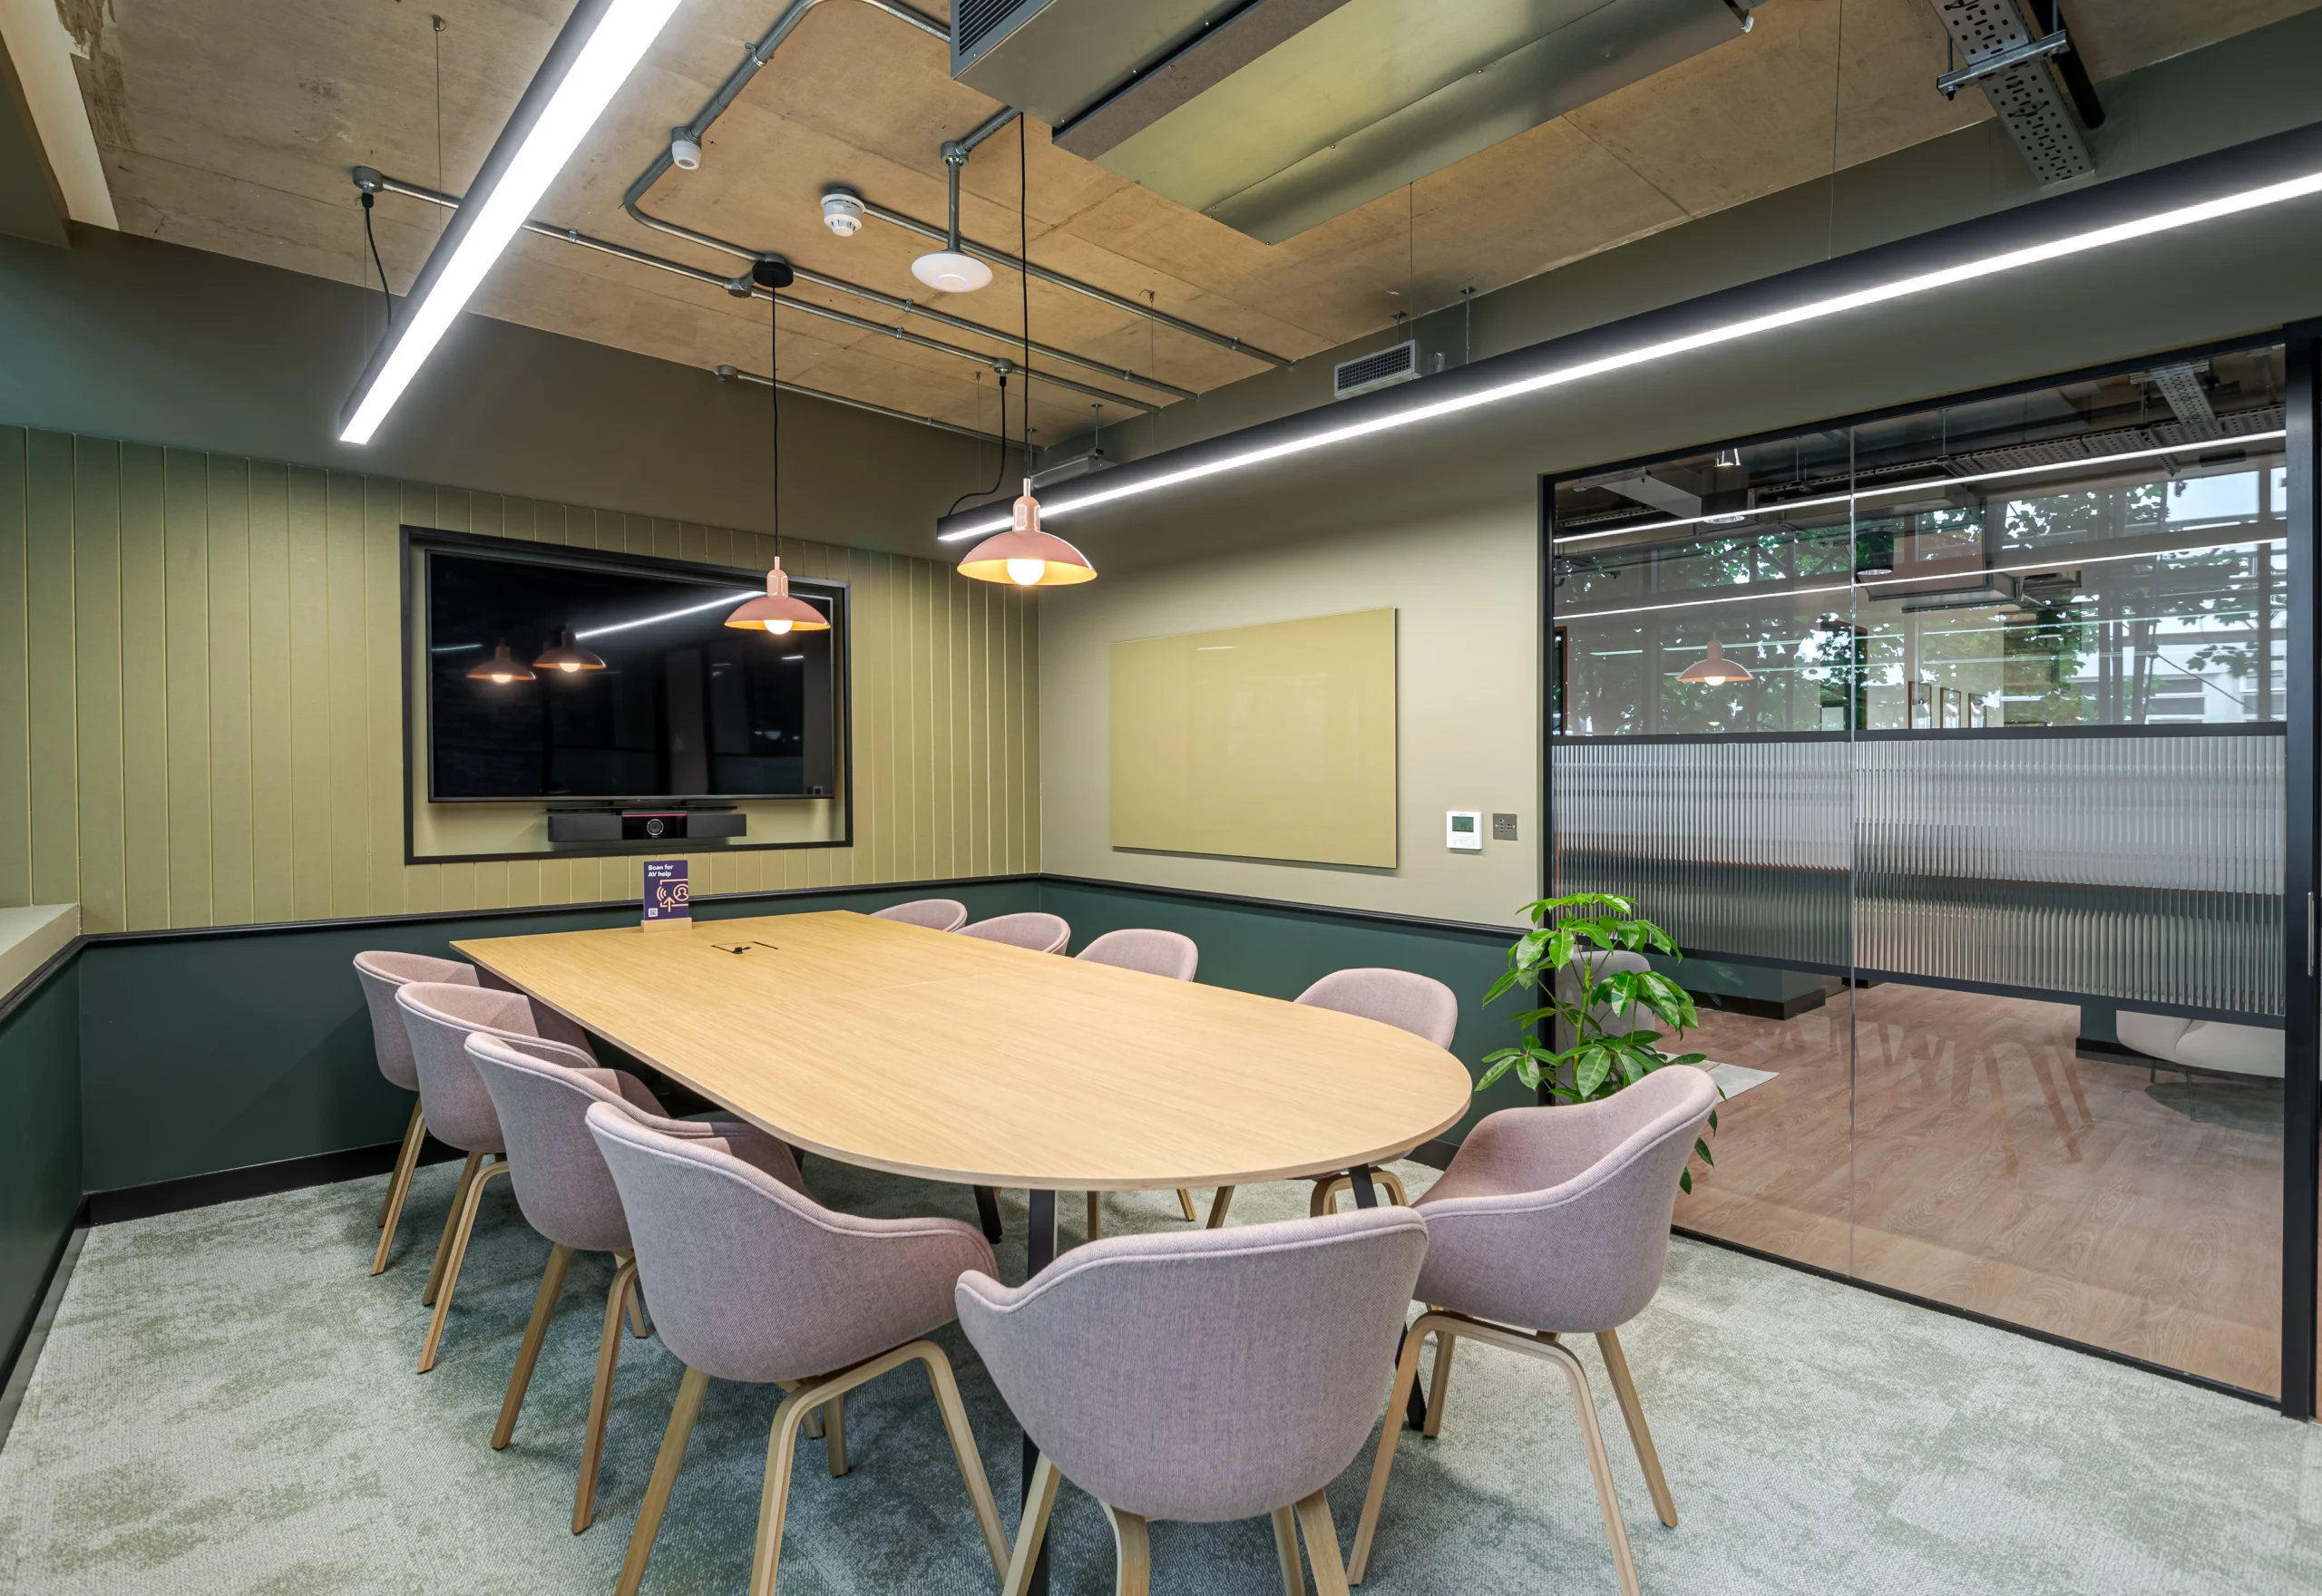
x: 1463, y: 831
x: 1503, y: 828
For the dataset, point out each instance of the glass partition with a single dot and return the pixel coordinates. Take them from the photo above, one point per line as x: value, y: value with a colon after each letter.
x: 1950, y: 747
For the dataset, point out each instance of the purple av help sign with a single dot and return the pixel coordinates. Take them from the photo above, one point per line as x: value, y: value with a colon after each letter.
x: 669, y: 903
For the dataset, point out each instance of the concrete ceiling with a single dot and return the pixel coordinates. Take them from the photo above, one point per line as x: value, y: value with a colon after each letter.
x: 231, y: 125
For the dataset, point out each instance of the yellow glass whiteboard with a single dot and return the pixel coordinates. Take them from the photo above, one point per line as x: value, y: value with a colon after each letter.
x: 1271, y: 742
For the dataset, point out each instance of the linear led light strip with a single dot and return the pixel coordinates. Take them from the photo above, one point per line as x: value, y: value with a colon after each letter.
x: 722, y: 600
x: 1988, y: 570
x: 1902, y: 288
x: 1897, y: 489
x: 610, y: 36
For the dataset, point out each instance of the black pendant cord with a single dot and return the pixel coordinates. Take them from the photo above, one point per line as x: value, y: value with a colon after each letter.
x: 1000, y: 468
x: 774, y: 387
x: 1024, y: 275
x: 385, y: 293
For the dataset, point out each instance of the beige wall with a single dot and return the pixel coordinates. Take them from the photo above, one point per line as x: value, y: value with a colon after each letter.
x: 200, y: 703
x: 1465, y: 591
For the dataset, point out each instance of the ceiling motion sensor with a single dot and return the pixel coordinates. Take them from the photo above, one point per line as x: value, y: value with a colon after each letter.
x: 950, y: 269
x: 685, y: 150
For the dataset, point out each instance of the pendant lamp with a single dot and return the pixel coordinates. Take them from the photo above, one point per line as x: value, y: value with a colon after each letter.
x: 568, y: 656
x: 1716, y: 671
x: 1024, y: 555
x: 502, y: 667
x: 777, y: 611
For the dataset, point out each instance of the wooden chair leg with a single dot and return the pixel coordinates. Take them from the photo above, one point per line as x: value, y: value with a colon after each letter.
x: 1439, y: 1385
x: 452, y: 1265
x: 1096, y: 1217
x: 1185, y: 1201
x: 1285, y: 1547
x: 600, y: 1396
x: 451, y: 1222
x: 834, y: 1435
x: 1325, y: 1198
x: 1394, y: 1184
x: 1031, y: 1529
x: 682, y: 1414
x: 1323, y: 1542
x: 637, y: 1325
x: 528, y: 1353
x: 1600, y: 1461
x: 962, y: 1436
x: 1616, y: 1365
x: 1132, y: 1553
x: 1398, y: 1397
x: 781, y: 1452
x: 399, y: 1187
x: 1217, y: 1206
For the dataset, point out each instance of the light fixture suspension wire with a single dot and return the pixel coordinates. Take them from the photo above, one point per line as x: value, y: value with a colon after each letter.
x: 999, y: 464
x: 370, y: 238
x: 774, y: 391
x: 1024, y: 277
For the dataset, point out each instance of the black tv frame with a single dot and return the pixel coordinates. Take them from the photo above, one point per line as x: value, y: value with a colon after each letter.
x: 416, y: 542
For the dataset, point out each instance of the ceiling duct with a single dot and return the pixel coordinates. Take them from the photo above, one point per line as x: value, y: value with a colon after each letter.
x: 1273, y: 116
x: 2016, y: 61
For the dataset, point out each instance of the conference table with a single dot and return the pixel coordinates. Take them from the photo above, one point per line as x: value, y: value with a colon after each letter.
x: 951, y: 1058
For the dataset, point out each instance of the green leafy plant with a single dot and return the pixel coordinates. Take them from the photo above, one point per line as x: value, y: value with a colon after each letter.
x: 1605, y: 1056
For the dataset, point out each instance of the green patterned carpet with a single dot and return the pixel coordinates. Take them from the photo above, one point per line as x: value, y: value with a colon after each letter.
x: 227, y: 1404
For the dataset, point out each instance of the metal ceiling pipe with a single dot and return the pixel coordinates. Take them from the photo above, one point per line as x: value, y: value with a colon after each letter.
x: 741, y: 288
x: 1090, y: 290
x: 763, y: 51
x: 733, y: 373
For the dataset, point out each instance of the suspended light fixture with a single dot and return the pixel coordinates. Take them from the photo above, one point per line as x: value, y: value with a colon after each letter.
x: 1716, y: 671
x: 568, y: 656
x: 777, y: 611
x: 1024, y: 555
x: 502, y: 667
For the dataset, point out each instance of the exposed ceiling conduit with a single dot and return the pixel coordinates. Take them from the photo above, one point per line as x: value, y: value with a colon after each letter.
x: 741, y: 288
x: 763, y: 51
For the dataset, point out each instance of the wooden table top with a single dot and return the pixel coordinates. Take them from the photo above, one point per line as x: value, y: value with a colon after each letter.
x: 927, y: 1054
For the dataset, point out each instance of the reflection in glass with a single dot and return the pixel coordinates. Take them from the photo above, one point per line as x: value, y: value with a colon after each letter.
x: 2006, y: 780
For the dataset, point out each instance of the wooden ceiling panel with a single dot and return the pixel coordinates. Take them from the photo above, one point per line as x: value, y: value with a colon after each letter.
x: 231, y: 125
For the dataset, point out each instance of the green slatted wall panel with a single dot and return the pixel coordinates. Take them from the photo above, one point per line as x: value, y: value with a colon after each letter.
x: 201, y: 712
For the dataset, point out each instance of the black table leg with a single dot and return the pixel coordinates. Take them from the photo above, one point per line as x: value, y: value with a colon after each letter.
x: 1366, y: 1195
x: 1039, y: 1252
x: 988, y: 1211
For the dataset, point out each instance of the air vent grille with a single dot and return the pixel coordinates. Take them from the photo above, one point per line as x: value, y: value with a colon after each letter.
x: 1398, y: 363
x: 973, y: 22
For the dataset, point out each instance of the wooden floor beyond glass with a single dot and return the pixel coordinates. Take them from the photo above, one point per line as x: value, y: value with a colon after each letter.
x: 1955, y: 1146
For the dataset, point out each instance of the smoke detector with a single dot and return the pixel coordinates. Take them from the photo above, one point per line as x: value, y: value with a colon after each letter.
x: 843, y: 212
x: 685, y: 150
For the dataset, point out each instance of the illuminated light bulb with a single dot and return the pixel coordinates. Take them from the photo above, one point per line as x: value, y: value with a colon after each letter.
x: 780, y: 628
x: 1026, y: 573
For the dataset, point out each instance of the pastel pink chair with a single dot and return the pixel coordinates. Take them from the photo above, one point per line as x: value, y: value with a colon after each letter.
x: 937, y: 914
x: 1202, y: 1376
x: 381, y: 972
x: 1553, y: 1222
x: 438, y: 1017
x: 1156, y: 953
x: 1418, y: 1004
x: 753, y: 1280
x: 1042, y: 933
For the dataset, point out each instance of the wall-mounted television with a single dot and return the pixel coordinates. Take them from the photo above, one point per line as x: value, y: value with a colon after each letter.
x: 658, y: 701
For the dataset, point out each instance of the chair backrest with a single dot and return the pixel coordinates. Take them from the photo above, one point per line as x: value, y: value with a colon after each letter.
x: 1042, y: 933
x: 1420, y: 1004
x: 1204, y: 1375
x: 1156, y: 953
x: 937, y: 914
x: 381, y: 973
x: 752, y: 1280
x: 1573, y: 1234
x: 543, y: 1106
x: 438, y: 1019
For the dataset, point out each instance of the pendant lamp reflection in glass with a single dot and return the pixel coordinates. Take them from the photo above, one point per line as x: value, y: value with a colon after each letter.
x: 1027, y: 555
x: 777, y: 611
x: 568, y: 656
x: 502, y: 667
x: 1716, y: 671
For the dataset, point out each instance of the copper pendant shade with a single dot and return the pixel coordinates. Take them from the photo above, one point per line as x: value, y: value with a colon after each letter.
x: 502, y: 667
x: 1716, y: 671
x: 779, y: 612
x: 1026, y: 556
x: 568, y: 656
